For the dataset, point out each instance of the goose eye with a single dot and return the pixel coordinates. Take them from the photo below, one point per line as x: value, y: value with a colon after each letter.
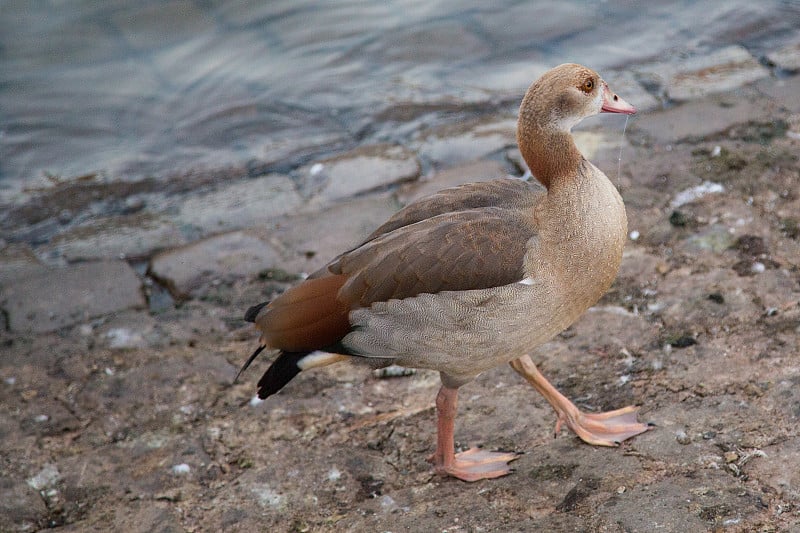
x: 588, y: 85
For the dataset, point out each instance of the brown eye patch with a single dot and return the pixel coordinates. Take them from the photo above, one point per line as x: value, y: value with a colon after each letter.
x: 588, y: 85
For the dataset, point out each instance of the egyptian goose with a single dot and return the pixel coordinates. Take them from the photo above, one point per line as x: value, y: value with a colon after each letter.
x: 472, y: 277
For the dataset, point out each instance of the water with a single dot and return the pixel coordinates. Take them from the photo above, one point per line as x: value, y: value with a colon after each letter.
x: 129, y: 89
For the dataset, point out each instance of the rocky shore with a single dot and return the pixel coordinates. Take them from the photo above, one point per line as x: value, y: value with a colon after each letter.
x: 122, y: 304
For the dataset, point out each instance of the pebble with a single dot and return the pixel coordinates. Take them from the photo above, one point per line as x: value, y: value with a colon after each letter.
x: 695, y: 193
x: 266, y: 496
x: 393, y: 371
x: 334, y: 474
x: 682, y: 437
x: 124, y: 338
x: 47, y: 476
x: 181, y: 469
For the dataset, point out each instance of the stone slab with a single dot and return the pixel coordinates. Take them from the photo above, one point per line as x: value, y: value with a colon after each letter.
x: 466, y: 141
x: 787, y: 57
x: 719, y: 71
x: 701, y: 118
x: 624, y: 83
x: 120, y: 237
x: 188, y: 270
x: 783, y: 91
x: 240, y: 205
x: 363, y: 169
x: 51, y: 299
x: 17, y: 260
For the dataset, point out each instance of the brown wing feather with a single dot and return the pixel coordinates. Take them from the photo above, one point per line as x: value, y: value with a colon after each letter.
x: 511, y: 193
x: 308, y: 316
x: 471, y: 249
x: 468, y: 237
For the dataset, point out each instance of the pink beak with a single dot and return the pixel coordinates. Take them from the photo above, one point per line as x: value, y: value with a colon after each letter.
x: 614, y: 104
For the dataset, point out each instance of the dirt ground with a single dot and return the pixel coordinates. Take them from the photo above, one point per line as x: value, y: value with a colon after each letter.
x: 700, y: 328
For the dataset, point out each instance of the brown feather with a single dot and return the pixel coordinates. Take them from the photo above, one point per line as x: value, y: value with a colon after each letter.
x: 468, y: 237
x: 473, y: 249
x: 511, y: 193
x: 306, y: 317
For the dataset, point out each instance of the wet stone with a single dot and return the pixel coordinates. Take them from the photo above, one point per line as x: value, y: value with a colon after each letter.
x: 452, y: 144
x: 696, y: 119
x: 187, y: 271
x: 361, y: 170
x: 783, y: 91
x: 58, y: 297
x: 125, y: 237
x: 17, y: 260
x: 629, y: 89
x: 723, y: 70
x: 240, y: 205
x: 788, y: 56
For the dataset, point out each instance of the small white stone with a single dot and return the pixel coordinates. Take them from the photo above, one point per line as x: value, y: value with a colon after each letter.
x: 634, y: 235
x: 266, y: 496
x: 121, y: 338
x: 334, y: 474
x: 48, y: 476
x: 716, y: 151
x: 109, y: 371
x: 10, y: 381
x: 695, y: 193
x: 181, y: 469
x: 255, y: 401
x: 41, y: 418
x: 388, y: 503
x: 758, y: 267
x: 316, y: 168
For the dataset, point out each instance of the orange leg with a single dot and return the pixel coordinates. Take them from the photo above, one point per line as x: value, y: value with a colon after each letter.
x: 602, y: 429
x: 470, y: 465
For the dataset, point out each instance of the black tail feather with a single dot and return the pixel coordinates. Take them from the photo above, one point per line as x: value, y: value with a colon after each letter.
x: 280, y: 373
x: 247, y: 363
x: 251, y: 314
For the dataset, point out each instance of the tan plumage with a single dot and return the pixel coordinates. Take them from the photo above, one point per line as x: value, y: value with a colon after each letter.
x: 474, y: 276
